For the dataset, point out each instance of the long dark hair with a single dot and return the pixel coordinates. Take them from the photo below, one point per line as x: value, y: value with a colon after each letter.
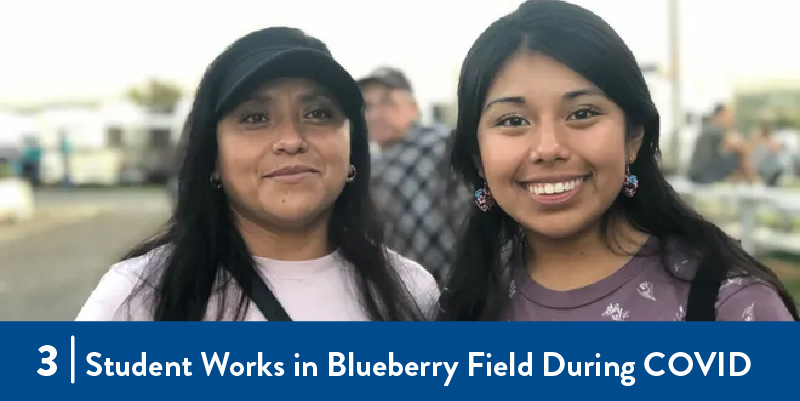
x: 477, y: 289
x: 204, y: 250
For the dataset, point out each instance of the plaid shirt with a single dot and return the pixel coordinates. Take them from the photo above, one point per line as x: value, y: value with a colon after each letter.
x: 419, y: 200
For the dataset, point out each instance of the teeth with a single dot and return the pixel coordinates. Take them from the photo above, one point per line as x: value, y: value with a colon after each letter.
x: 554, y: 187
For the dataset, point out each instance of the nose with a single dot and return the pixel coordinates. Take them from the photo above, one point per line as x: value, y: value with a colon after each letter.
x: 291, y: 139
x: 548, y: 144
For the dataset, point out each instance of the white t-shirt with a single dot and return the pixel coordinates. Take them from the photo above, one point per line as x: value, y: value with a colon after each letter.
x: 322, y: 289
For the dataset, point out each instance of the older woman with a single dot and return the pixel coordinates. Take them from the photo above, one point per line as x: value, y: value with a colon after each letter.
x: 273, y: 207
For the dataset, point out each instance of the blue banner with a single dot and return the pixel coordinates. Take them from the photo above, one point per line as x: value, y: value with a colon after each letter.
x: 397, y: 360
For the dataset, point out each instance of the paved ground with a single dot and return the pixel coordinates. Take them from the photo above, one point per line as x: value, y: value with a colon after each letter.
x: 50, y: 264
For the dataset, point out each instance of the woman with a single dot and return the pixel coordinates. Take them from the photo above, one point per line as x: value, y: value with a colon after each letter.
x: 274, y: 186
x: 558, y: 135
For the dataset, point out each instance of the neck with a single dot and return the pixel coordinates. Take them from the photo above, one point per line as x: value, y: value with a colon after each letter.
x: 582, y: 259
x: 291, y: 245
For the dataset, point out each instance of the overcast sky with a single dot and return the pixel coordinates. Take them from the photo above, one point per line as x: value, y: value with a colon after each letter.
x: 90, y: 49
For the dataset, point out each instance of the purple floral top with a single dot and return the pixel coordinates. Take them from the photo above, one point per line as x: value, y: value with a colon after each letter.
x: 641, y: 290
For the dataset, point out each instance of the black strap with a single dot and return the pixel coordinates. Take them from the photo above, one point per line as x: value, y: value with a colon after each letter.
x: 703, y: 293
x: 265, y: 300
x: 269, y: 306
x: 701, y: 306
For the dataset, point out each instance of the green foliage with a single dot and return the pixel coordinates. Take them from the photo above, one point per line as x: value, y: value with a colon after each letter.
x: 157, y: 96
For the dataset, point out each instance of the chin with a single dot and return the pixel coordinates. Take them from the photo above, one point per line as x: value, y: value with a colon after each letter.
x: 292, y: 219
x: 281, y: 198
x: 291, y: 210
x: 557, y: 227
x: 555, y: 233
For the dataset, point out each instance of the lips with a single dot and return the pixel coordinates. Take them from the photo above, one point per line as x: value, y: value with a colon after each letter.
x: 292, y: 170
x: 555, y: 190
x: 555, y: 186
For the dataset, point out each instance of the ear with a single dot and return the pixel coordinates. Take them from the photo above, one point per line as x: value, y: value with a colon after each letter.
x: 414, y: 107
x: 633, y: 145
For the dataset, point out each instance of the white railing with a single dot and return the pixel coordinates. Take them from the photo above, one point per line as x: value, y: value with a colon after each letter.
x: 749, y: 199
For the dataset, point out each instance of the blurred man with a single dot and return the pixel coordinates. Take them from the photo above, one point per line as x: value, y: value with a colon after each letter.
x: 32, y: 160
x: 719, y: 153
x: 416, y: 194
x: 392, y: 110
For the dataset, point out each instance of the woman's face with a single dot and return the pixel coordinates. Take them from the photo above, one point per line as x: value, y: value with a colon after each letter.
x: 552, y: 146
x: 284, y: 154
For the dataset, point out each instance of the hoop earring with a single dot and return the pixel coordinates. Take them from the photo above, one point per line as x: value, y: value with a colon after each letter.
x: 630, y: 183
x: 351, y: 175
x: 483, y: 198
x: 215, y: 181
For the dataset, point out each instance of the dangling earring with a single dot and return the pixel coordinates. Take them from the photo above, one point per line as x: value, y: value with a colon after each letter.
x: 630, y: 183
x: 351, y: 175
x: 215, y: 181
x: 483, y: 198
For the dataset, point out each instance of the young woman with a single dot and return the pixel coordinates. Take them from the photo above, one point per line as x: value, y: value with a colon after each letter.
x: 273, y: 217
x: 558, y: 135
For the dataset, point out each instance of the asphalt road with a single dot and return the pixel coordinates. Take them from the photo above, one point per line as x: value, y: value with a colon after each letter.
x: 50, y: 264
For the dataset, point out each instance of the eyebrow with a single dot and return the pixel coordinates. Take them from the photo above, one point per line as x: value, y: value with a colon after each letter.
x: 517, y: 100
x: 520, y: 100
x: 584, y: 92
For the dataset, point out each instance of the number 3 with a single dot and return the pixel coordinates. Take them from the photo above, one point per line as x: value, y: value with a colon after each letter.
x: 48, y: 361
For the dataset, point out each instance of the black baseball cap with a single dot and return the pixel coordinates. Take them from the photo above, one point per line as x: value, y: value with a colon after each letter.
x: 387, y: 76
x: 292, y: 61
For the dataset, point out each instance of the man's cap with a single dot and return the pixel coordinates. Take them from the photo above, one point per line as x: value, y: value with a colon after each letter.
x: 294, y: 61
x: 387, y: 76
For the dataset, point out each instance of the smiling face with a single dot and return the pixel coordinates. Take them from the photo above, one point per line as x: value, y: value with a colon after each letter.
x: 552, y: 145
x: 284, y: 154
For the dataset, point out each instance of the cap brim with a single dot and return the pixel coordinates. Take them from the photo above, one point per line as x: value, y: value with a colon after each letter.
x: 293, y: 63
